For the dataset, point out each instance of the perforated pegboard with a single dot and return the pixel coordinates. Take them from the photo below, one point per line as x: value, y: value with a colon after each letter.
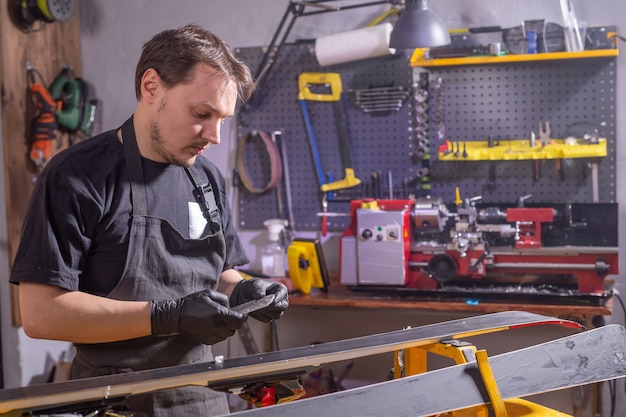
x: 379, y: 141
x: 507, y: 101
x: 503, y: 101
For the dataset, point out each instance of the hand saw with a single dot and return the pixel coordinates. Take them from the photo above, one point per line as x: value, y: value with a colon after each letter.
x: 333, y: 81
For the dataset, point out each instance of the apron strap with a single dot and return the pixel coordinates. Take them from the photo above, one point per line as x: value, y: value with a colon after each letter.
x: 133, y: 163
x: 205, y: 196
x: 203, y: 192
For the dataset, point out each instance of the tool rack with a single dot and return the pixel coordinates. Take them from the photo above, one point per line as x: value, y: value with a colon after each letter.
x: 522, y: 149
x: 478, y: 100
x: 500, y: 99
x: 378, y: 141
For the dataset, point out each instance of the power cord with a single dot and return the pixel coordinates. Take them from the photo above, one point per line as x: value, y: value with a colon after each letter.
x: 613, y: 383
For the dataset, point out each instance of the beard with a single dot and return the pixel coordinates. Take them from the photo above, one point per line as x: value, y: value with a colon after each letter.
x: 159, y: 148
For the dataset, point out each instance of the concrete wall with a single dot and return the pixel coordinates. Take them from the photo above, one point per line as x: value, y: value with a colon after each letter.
x: 113, y: 32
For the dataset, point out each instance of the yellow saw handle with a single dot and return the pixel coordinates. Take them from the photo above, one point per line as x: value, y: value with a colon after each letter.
x: 307, y: 79
x: 333, y: 81
x: 350, y: 180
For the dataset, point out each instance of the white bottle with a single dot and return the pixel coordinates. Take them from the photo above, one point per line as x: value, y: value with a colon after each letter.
x: 273, y: 253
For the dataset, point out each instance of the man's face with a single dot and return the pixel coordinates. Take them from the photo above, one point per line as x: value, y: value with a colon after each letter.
x: 188, y: 117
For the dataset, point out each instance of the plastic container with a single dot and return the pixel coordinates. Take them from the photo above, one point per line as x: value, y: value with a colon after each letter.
x: 273, y: 253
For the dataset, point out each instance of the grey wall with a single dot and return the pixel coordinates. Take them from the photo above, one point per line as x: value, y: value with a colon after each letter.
x: 113, y: 32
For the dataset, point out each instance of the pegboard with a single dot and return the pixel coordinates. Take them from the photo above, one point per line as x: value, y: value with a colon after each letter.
x: 508, y: 101
x: 502, y: 101
x: 379, y: 141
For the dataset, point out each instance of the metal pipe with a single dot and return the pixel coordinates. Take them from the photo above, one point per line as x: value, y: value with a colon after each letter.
x: 526, y: 265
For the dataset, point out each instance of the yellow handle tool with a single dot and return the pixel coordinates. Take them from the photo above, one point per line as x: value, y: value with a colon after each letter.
x: 304, y: 267
x: 330, y: 79
x: 333, y: 82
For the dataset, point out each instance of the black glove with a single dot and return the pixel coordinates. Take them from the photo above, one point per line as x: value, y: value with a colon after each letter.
x: 203, y: 316
x: 255, y: 288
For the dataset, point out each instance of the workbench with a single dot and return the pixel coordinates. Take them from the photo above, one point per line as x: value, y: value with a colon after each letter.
x: 339, y: 296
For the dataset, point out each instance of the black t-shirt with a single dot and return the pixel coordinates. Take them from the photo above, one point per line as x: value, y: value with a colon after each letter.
x: 78, y: 218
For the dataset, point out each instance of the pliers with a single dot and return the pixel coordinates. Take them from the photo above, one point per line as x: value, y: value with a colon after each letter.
x: 544, y: 133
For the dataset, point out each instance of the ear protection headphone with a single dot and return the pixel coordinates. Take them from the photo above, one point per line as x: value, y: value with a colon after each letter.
x: 30, y: 11
x: 74, y: 110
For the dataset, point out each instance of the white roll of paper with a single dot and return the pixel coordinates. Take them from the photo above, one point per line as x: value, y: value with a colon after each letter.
x: 355, y: 45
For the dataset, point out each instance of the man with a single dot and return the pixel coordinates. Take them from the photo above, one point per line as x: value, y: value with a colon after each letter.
x: 128, y: 245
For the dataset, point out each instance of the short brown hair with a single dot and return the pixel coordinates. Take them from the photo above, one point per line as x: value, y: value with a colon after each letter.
x: 174, y: 53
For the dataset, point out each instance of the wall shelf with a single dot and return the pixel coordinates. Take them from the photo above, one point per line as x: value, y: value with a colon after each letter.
x: 505, y: 101
x: 417, y: 59
x: 517, y: 150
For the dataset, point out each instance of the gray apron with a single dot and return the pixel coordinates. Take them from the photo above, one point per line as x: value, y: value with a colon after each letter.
x: 160, y: 264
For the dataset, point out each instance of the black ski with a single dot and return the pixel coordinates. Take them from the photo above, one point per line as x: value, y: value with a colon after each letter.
x: 260, y: 367
x: 584, y: 358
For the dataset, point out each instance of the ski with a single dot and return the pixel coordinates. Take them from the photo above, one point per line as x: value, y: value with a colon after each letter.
x: 237, y: 372
x: 588, y: 357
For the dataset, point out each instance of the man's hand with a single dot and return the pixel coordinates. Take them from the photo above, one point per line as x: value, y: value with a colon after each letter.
x: 203, y: 316
x: 255, y: 288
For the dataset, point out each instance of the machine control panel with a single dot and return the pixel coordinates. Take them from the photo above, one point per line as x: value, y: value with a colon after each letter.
x: 380, y: 233
x: 380, y: 255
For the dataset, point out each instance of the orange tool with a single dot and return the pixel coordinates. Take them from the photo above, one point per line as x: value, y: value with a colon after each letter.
x: 44, y: 123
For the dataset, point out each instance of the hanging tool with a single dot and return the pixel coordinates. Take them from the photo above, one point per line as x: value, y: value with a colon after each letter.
x: 491, y: 179
x: 273, y: 154
x: 324, y: 214
x: 536, y: 170
x: 332, y: 80
x: 75, y: 111
x: 545, y: 139
x: 405, y: 187
x: 380, y: 99
x: 316, y: 159
x: 28, y: 12
x: 289, y: 230
x: 544, y: 133
x: 595, y: 190
x: 559, y: 170
x: 376, y: 190
x: 276, y: 135
x: 440, y: 109
x: 44, y: 123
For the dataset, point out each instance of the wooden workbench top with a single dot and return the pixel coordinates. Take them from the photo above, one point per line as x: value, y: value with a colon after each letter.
x: 339, y: 296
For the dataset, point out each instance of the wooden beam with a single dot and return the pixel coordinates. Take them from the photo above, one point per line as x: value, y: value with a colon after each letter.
x: 49, y: 48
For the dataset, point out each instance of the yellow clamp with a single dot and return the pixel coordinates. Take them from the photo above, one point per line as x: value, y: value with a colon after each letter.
x: 490, y: 384
x: 304, y: 266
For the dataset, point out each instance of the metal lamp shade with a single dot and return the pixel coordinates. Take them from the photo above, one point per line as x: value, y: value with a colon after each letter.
x: 418, y: 27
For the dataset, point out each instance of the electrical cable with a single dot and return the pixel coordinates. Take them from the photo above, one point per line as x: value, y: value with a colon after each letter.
x: 613, y: 383
x: 276, y: 166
